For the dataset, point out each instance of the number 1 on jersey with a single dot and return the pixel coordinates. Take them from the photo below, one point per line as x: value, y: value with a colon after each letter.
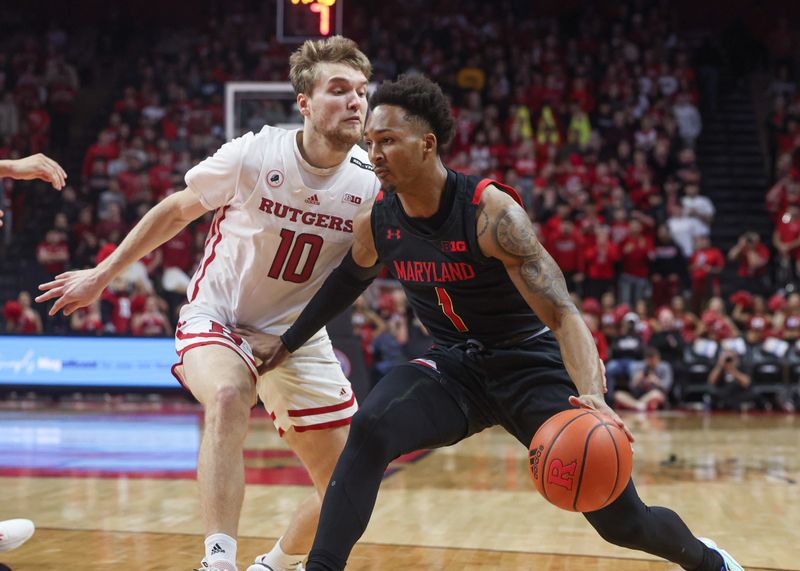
x: 447, y: 308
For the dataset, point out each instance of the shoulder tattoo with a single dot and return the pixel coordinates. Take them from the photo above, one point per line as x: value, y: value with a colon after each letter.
x: 539, y: 272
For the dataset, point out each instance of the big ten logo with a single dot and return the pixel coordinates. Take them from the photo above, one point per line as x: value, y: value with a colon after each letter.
x: 351, y: 198
x: 534, y: 457
x: 561, y: 474
x: 454, y: 246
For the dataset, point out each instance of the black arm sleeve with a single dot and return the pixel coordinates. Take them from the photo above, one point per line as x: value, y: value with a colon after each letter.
x: 339, y: 291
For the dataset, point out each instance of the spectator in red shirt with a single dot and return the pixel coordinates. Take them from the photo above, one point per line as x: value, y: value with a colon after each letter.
x: 105, y: 149
x: 753, y: 257
x: 52, y: 253
x: 685, y: 321
x: 786, y: 239
x: 759, y: 326
x: 566, y: 247
x: 620, y: 225
x: 112, y: 228
x: 28, y: 320
x: 151, y: 322
x: 600, y: 260
x: 668, y: 268
x: 636, y: 251
x: 714, y: 322
x: 704, y: 267
x: 87, y: 320
x: 609, y: 316
x: 787, y: 320
x: 177, y: 260
x: 599, y: 339
x: 116, y: 307
x: 160, y: 175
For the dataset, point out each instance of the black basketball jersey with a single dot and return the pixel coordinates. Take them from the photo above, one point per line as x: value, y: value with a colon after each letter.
x: 456, y: 291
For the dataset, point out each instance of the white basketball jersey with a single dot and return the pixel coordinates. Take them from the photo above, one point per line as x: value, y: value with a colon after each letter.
x: 274, y: 238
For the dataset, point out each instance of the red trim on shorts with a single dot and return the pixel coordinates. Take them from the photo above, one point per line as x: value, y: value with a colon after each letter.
x: 281, y: 431
x: 207, y: 261
x: 178, y: 378
x: 324, y: 425
x: 193, y: 345
x: 181, y: 336
x: 323, y: 409
x: 476, y: 198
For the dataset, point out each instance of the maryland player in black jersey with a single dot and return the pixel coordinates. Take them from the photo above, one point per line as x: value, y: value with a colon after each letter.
x: 511, y: 349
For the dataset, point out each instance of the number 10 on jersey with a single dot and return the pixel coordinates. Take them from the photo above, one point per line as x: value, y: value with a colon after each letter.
x: 290, y: 251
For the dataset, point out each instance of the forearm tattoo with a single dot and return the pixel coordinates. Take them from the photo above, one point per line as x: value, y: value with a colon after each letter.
x: 541, y: 275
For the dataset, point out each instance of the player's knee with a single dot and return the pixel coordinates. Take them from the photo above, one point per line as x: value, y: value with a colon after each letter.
x: 227, y: 405
x: 368, y: 434
x: 625, y: 532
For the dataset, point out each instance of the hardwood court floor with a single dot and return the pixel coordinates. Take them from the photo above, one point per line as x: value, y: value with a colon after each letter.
x: 112, y: 489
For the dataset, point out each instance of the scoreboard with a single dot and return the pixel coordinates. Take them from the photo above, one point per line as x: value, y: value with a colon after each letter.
x: 300, y: 20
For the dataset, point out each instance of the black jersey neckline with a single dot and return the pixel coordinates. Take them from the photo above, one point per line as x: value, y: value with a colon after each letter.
x: 440, y: 222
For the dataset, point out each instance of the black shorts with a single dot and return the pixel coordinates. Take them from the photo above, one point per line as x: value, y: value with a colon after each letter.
x: 517, y: 388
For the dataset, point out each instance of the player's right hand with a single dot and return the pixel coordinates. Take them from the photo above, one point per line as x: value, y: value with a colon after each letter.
x: 269, y: 349
x: 73, y: 290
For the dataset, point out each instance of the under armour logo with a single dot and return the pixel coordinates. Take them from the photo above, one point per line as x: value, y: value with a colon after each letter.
x: 393, y: 234
x: 561, y: 475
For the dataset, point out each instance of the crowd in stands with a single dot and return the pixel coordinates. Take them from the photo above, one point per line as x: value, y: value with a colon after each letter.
x: 594, y: 124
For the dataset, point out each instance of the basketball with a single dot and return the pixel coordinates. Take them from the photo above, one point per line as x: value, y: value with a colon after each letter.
x: 580, y: 460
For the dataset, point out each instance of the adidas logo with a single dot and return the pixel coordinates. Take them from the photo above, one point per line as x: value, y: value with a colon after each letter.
x: 313, y: 199
x: 216, y: 549
x: 343, y: 392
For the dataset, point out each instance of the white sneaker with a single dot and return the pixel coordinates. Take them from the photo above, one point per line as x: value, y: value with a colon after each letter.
x: 15, y: 532
x: 216, y: 566
x: 260, y: 565
x: 730, y: 563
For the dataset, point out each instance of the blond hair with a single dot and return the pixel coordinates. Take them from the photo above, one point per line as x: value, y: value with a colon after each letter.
x: 336, y: 49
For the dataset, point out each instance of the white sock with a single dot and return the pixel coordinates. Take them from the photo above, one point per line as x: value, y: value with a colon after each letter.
x: 281, y: 561
x: 220, y: 547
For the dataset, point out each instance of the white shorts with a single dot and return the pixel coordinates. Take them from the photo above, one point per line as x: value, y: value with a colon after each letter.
x: 307, y: 392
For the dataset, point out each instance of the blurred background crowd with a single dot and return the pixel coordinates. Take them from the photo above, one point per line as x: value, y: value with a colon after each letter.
x: 661, y: 166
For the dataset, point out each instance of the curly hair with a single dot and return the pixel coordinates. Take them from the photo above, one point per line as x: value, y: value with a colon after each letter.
x: 423, y: 100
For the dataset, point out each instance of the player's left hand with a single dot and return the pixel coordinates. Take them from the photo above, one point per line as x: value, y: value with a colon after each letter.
x: 596, y: 402
x: 269, y: 349
x: 42, y: 167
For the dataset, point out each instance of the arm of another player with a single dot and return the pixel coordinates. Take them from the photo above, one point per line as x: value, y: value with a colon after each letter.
x: 73, y: 290
x: 35, y: 166
x: 342, y: 287
x: 505, y: 232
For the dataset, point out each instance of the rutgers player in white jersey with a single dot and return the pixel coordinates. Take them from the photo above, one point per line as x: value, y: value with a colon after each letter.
x: 284, y: 203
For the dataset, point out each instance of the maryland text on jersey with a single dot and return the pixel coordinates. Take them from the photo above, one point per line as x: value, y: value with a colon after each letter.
x: 415, y: 271
x: 309, y: 218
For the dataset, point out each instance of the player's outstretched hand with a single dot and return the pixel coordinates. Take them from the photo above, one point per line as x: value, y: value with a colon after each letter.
x: 72, y: 290
x: 596, y: 402
x: 267, y: 348
x: 38, y: 166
